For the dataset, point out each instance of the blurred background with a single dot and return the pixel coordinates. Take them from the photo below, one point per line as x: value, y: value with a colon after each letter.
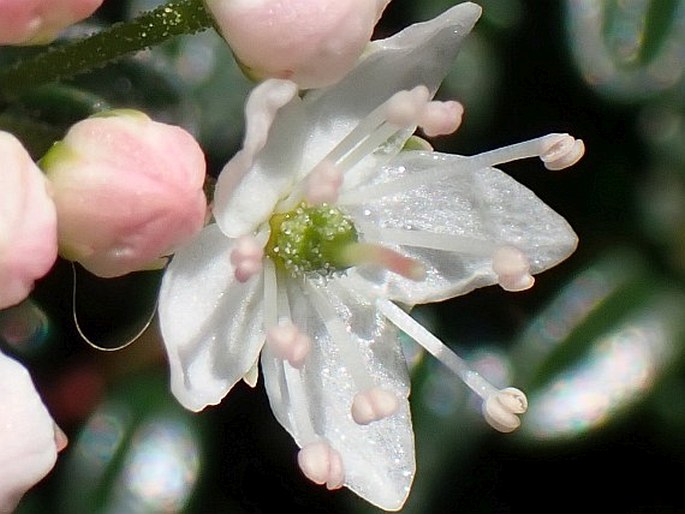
x: 597, y: 343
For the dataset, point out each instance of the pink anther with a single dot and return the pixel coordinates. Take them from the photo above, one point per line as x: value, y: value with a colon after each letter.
x: 322, y: 464
x: 246, y: 258
x: 405, y: 107
x: 563, y: 152
x: 512, y: 269
x: 441, y: 118
x: 323, y: 183
x: 373, y: 405
x: 289, y: 343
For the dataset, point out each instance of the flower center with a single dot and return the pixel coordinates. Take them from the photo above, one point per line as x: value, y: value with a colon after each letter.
x: 311, y: 239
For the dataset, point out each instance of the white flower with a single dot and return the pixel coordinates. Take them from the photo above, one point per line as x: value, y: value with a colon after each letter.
x: 30, y: 438
x: 323, y: 228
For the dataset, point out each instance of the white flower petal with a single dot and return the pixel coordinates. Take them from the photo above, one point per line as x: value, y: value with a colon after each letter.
x: 27, y: 431
x: 300, y: 134
x: 243, y: 200
x: 211, y: 323
x: 482, y: 209
x: 421, y: 54
x: 316, y: 400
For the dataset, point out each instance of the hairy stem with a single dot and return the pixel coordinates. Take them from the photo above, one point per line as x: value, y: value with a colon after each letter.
x: 151, y: 28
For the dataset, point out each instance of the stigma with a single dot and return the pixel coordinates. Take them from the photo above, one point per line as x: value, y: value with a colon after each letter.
x: 311, y: 239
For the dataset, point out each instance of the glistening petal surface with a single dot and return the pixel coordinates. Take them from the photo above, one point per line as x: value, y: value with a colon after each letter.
x: 421, y: 54
x: 352, y: 343
x: 211, y: 324
x: 482, y: 209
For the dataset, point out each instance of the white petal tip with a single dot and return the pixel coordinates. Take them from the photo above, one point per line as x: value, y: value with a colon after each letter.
x: 501, y: 409
x: 322, y: 465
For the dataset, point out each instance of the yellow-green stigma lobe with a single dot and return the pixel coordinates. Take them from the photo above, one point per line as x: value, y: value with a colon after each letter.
x: 311, y: 239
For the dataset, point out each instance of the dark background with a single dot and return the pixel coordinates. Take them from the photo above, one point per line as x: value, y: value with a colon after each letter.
x: 624, y: 199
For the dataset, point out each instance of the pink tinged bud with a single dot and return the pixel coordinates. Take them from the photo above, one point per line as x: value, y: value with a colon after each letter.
x: 311, y: 42
x: 30, y: 438
x: 128, y: 191
x: 322, y: 465
x: 28, y: 223
x: 373, y: 405
x: 36, y: 22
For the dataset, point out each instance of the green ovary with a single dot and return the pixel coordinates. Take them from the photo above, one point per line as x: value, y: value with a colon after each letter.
x: 311, y: 239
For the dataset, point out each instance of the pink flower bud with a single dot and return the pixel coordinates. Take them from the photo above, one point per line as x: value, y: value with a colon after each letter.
x: 311, y: 42
x: 35, y: 22
x: 28, y: 223
x: 128, y: 191
x: 30, y: 438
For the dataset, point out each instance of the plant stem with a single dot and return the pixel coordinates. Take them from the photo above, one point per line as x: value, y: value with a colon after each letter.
x: 151, y: 28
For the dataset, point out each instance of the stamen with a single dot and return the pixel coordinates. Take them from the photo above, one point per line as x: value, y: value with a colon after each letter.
x: 400, y: 112
x: 368, y: 253
x: 322, y: 465
x: 373, y: 405
x: 424, y: 239
x: 289, y: 343
x: 323, y: 183
x: 500, y: 406
x: 512, y: 268
x: 276, y: 307
x: 247, y: 257
x: 559, y: 150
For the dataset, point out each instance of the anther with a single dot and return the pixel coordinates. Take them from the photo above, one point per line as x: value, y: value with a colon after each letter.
x: 563, y: 152
x: 322, y: 465
x: 405, y: 107
x: 373, y: 405
x: 289, y: 343
x: 441, y: 118
x: 323, y: 183
x: 246, y: 258
x: 501, y: 409
x: 512, y: 269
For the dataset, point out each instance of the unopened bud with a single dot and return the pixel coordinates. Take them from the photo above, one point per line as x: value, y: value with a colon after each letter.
x: 30, y: 440
x: 314, y: 43
x: 128, y: 191
x: 28, y: 223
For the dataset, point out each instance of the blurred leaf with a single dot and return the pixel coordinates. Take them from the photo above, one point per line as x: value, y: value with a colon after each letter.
x: 138, y: 453
x: 628, y: 50
x: 598, y: 348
